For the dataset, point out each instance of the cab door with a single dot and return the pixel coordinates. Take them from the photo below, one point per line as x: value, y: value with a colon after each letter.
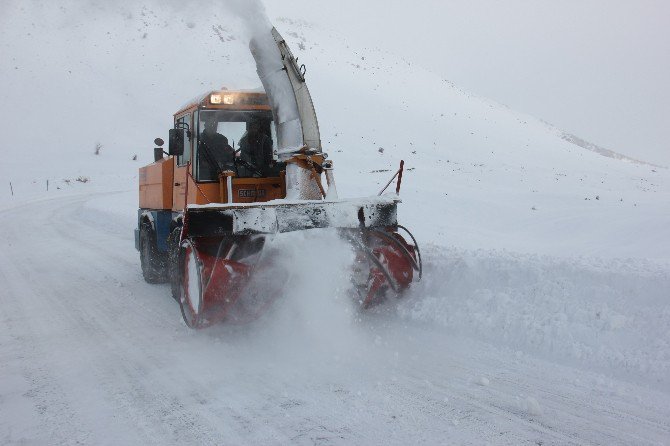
x: 182, y: 163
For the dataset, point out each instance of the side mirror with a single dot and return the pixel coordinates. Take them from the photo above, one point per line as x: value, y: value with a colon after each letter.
x: 176, y: 142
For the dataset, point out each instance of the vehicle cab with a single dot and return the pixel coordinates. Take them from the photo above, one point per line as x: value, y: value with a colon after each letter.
x: 222, y: 150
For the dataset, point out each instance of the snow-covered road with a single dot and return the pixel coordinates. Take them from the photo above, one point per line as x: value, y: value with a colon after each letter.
x: 93, y: 355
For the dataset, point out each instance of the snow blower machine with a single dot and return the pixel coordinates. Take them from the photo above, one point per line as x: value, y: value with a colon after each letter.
x: 242, y: 166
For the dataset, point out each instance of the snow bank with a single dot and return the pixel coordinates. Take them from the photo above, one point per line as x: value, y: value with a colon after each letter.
x: 611, y: 314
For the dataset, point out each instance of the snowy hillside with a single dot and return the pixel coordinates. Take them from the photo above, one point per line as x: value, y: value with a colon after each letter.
x: 495, y: 178
x: 492, y: 177
x: 547, y: 277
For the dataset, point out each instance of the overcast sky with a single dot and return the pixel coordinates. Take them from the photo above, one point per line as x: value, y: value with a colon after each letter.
x: 596, y: 68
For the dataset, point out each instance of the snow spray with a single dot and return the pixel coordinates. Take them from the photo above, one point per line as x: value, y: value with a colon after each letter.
x: 316, y: 310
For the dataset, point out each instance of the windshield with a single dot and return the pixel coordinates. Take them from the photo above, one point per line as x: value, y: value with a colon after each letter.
x: 241, y: 141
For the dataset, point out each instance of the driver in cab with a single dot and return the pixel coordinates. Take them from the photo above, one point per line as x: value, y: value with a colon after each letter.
x: 256, y: 148
x: 217, y: 152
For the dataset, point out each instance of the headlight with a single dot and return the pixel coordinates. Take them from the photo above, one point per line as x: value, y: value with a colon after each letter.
x: 228, y: 99
x: 215, y: 99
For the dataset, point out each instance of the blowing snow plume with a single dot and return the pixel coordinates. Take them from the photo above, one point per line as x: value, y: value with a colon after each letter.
x: 301, y: 294
x: 271, y: 72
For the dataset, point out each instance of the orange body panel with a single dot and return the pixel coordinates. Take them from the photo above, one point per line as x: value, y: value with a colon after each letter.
x: 163, y: 186
x: 245, y: 190
x: 156, y: 185
x: 252, y: 190
x: 203, y: 193
x: 179, y: 189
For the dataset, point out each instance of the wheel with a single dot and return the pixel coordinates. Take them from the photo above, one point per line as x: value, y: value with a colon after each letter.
x: 151, y: 260
x: 173, y: 267
x: 190, y: 296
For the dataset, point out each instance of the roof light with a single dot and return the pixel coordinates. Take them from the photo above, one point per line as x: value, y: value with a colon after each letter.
x: 215, y: 99
x: 228, y: 99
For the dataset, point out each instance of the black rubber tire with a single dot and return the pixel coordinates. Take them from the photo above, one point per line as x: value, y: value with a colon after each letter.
x: 173, y: 268
x: 151, y: 259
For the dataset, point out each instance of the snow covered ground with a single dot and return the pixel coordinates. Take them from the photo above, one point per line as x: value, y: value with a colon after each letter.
x: 497, y: 348
x: 543, y: 316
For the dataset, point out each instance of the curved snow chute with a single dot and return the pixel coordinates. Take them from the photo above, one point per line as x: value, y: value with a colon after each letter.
x: 291, y: 102
x: 296, y: 75
x: 292, y: 108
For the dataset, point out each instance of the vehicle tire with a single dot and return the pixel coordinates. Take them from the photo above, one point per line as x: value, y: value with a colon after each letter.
x: 173, y: 267
x: 151, y: 260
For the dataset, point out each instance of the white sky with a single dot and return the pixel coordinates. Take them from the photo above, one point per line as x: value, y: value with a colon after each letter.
x: 596, y: 68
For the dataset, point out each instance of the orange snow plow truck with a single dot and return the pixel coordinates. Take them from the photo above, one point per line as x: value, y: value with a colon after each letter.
x: 234, y: 176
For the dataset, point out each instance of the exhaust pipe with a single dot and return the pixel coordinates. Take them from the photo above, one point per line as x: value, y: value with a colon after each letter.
x: 158, y: 151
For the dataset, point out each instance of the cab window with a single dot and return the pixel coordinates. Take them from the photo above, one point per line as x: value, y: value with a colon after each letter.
x: 242, y: 141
